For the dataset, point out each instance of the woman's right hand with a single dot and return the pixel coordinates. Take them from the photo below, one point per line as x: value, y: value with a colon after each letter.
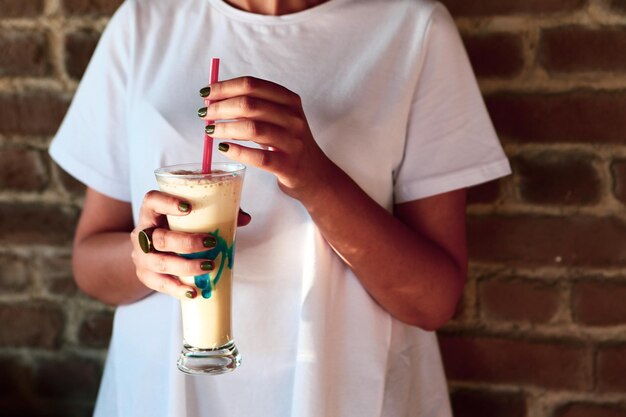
x: 160, y: 268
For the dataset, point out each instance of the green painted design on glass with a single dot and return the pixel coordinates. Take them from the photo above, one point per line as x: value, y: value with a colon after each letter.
x: 205, y: 284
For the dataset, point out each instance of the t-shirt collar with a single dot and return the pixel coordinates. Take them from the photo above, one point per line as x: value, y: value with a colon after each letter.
x: 304, y: 15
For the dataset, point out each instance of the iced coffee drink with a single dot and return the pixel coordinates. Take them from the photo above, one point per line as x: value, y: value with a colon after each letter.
x: 208, y: 345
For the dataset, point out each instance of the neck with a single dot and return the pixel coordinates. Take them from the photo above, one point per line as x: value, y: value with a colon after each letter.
x: 274, y: 7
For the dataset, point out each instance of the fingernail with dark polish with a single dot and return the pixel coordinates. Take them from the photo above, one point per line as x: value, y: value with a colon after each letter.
x: 209, y: 242
x: 202, y: 111
x: 206, y: 266
x: 204, y: 92
x: 184, y: 206
x: 190, y: 294
x: 209, y: 129
x: 223, y: 147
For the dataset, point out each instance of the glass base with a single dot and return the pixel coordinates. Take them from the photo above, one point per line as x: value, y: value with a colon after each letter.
x: 216, y: 361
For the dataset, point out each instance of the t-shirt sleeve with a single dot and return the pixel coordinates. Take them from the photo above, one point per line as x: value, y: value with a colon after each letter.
x: 91, y: 143
x: 451, y: 142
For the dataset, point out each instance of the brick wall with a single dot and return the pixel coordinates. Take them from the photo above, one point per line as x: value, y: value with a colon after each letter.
x: 52, y: 338
x: 540, y: 330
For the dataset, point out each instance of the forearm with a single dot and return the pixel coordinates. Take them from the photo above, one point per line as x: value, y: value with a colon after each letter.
x: 408, y: 274
x: 413, y: 272
x: 104, y: 270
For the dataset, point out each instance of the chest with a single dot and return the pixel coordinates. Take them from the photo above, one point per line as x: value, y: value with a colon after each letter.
x: 357, y: 117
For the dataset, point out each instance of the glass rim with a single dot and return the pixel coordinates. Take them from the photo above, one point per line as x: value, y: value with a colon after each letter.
x: 226, y: 168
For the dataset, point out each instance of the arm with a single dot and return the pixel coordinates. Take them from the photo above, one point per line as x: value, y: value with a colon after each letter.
x: 101, y: 261
x: 422, y: 248
x: 414, y: 263
x: 112, y: 268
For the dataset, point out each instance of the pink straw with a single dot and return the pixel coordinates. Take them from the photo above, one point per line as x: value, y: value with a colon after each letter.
x: 207, y: 155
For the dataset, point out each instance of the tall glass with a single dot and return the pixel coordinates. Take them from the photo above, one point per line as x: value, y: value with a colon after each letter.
x: 208, y: 344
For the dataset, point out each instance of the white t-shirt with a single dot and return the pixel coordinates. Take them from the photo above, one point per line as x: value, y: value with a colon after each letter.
x: 391, y: 99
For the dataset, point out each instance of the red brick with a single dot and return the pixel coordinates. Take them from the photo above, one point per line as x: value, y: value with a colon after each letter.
x: 487, y: 192
x: 95, y: 330
x: 462, y: 308
x: 585, y: 116
x: 611, y: 368
x: 495, y: 55
x: 69, y: 183
x: 618, y: 170
x: 475, y: 403
x: 519, y: 362
x: 618, y: 5
x: 590, y: 410
x: 56, y: 274
x: 518, y: 300
x: 31, y: 113
x: 578, y: 49
x: 36, y: 224
x: 69, y: 378
x: 27, y: 224
x: 558, y: 179
x: 16, y: 377
x: 505, y: 7
x: 45, y: 407
x: 532, y: 240
x: 23, y: 54
x: 21, y: 169
x: 21, y: 8
x: 598, y: 303
x: 14, y: 274
x: 98, y: 7
x: 79, y: 47
x: 31, y: 325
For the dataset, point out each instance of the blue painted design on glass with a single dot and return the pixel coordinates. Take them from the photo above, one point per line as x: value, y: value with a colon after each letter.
x: 205, y: 284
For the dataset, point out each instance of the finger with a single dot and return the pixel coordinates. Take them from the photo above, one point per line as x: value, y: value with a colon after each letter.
x: 156, y: 204
x: 253, y: 87
x: 243, y: 218
x: 164, y: 240
x: 267, y: 160
x: 266, y: 134
x: 247, y: 107
x: 172, y: 264
x: 168, y: 285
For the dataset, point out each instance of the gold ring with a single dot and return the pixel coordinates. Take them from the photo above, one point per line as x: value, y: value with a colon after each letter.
x: 145, y: 240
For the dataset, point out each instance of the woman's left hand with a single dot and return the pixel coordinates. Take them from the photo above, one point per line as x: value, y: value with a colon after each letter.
x: 272, y: 116
x: 427, y: 239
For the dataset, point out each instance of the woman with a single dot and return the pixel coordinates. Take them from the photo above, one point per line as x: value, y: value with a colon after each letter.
x: 361, y: 125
